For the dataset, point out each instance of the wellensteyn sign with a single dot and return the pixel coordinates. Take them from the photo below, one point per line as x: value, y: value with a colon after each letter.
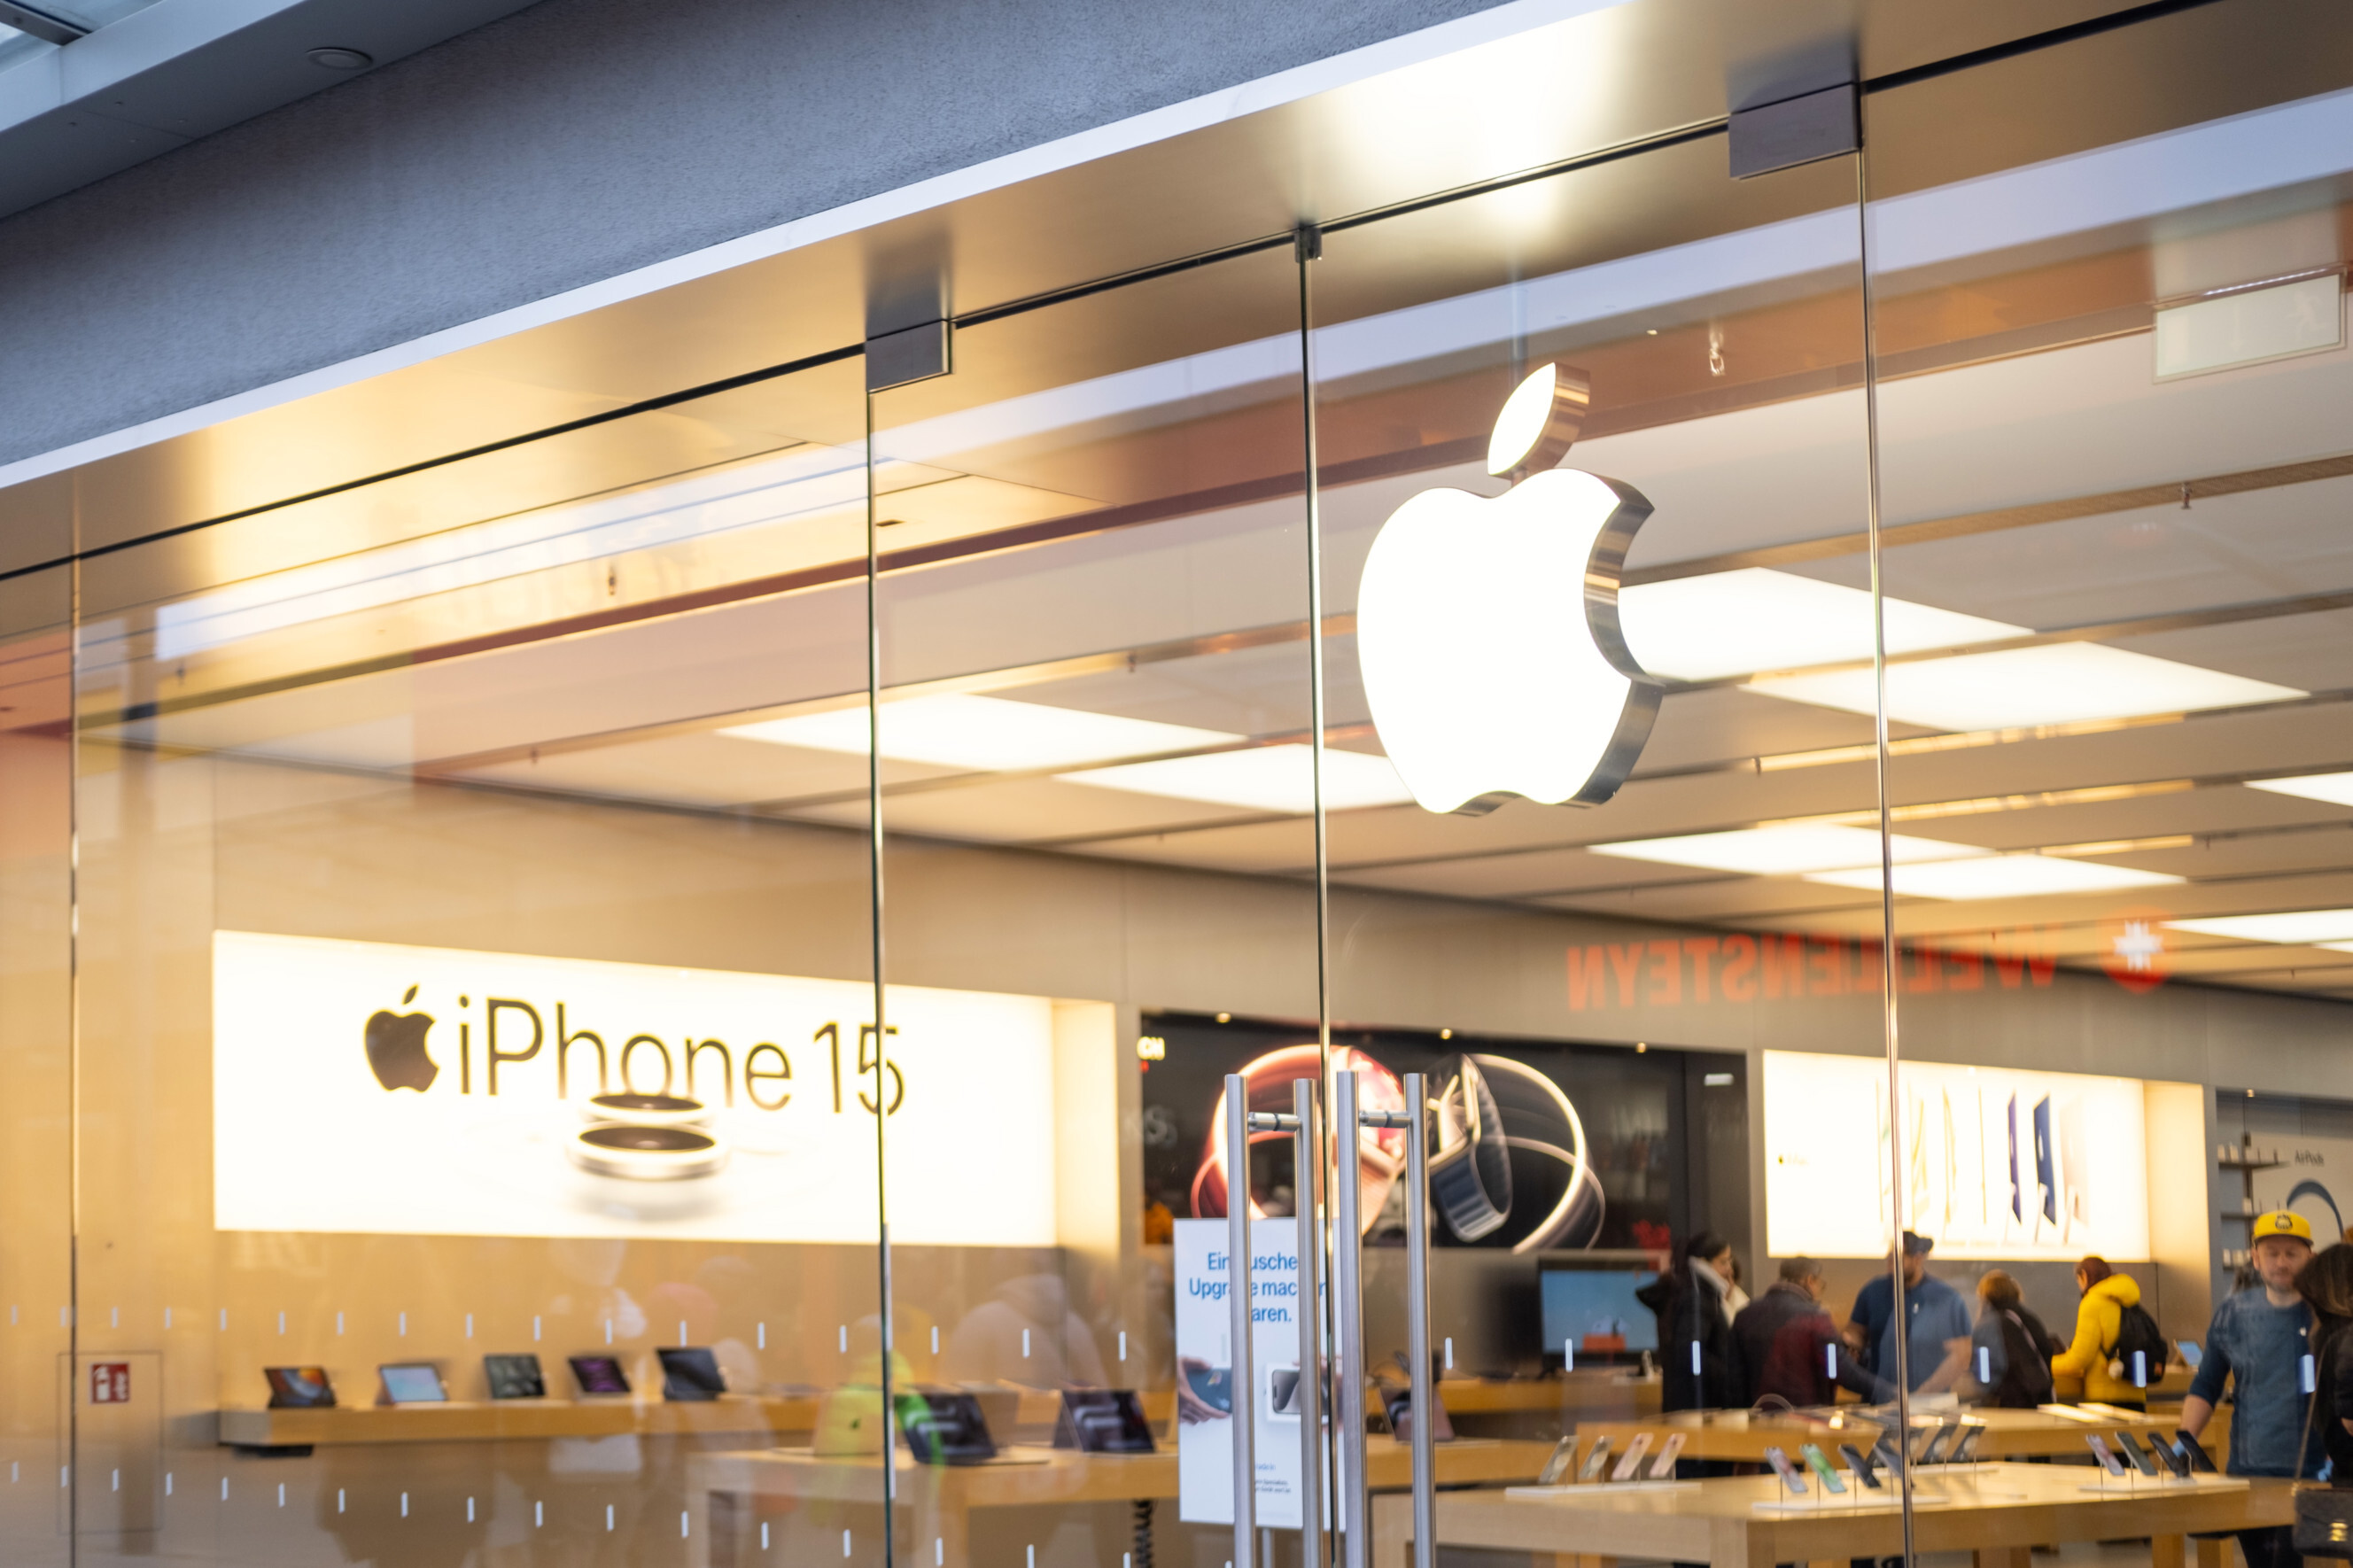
x: 372, y: 1088
x: 1742, y: 968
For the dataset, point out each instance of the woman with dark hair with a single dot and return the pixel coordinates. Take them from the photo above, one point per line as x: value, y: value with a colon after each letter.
x: 2327, y: 1284
x: 1694, y: 1326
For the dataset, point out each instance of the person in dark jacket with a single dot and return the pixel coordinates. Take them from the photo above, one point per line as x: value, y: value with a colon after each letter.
x: 2326, y: 1282
x: 2011, y: 1349
x: 1784, y: 1346
x: 1696, y: 1361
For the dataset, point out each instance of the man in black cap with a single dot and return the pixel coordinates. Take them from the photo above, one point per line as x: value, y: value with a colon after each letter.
x: 1937, y: 1343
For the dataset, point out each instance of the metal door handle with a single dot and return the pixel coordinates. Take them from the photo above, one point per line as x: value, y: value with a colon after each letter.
x: 1306, y: 1167
x: 1417, y: 1308
x: 1243, y: 1374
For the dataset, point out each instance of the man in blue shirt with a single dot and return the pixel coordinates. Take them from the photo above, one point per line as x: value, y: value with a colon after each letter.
x: 1936, y: 1344
x: 2262, y: 1341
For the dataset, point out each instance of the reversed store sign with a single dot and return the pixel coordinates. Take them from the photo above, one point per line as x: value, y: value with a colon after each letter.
x: 373, y: 1088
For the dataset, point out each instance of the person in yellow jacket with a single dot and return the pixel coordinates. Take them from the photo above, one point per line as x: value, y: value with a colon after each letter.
x: 2106, y: 1294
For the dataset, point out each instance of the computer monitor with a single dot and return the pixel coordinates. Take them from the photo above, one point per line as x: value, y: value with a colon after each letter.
x: 1593, y: 1308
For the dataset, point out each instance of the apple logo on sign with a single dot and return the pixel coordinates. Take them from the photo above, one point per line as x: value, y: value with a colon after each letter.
x: 1487, y: 629
x: 395, y: 1047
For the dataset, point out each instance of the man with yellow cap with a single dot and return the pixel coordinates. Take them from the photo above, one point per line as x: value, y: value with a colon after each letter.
x: 2262, y: 1341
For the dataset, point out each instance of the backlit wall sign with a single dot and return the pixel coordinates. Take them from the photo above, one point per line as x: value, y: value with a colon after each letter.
x: 1487, y: 629
x: 1997, y: 1163
x: 365, y: 1087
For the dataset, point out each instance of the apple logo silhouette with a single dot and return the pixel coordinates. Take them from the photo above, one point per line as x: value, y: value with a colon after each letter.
x: 1487, y: 629
x: 395, y: 1047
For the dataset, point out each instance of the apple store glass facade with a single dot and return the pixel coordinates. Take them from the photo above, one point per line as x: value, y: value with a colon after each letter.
x: 557, y: 1001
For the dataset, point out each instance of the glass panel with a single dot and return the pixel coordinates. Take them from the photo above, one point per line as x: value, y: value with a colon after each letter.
x: 1097, y: 788
x: 1583, y: 976
x: 36, y: 1036
x: 460, y: 1035
x: 2112, y: 382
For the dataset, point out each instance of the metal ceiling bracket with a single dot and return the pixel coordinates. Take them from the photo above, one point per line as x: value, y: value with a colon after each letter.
x: 1795, y: 131
x: 50, y: 29
x: 916, y: 353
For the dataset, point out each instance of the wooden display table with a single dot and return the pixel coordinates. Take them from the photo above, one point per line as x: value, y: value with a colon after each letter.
x: 518, y: 1420
x: 941, y: 1498
x: 1579, y: 1392
x: 1741, y: 1435
x: 1998, y: 1511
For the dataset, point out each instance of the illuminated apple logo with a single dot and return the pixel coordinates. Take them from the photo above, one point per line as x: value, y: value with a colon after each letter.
x: 395, y: 1047
x: 1487, y: 629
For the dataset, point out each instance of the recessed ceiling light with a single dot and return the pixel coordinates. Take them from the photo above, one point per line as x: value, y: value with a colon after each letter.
x: 1735, y: 623
x: 990, y: 734
x: 2302, y: 927
x: 1785, y: 849
x: 2057, y: 683
x: 2000, y: 877
x: 1263, y: 778
x: 336, y: 59
x: 2335, y: 788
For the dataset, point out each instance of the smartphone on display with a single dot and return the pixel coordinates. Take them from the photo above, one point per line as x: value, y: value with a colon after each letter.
x: 1212, y: 1385
x: 2192, y: 1352
x: 1890, y: 1457
x: 2176, y: 1458
x: 2105, y: 1455
x: 2195, y: 1452
x: 1593, y: 1460
x: 2134, y: 1453
x: 1820, y: 1464
x: 1861, y: 1463
x: 1786, y: 1471
x: 1556, y: 1464
x: 1282, y: 1391
x: 1663, y: 1469
x: 1965, y: 1447
x: 1636, y: 1447
x: 1932, y: 1452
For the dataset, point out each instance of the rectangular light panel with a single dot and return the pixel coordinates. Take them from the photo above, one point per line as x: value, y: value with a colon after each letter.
x: 2000, y: 877
x: 2335, y: 788
x: 1263, y: 778
x: 2058, y: 683
x: 2302, y: 927
x: 1785, y: 849
x: 1736, y: 622
x: 987, y: 735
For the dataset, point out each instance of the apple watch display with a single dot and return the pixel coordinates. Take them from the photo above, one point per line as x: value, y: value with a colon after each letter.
x: 1471, y: 1173
x: 599, y: 1375
x: 514, y: 1377
x: 412, y: 1383
x: 299, y: 1388
x: 691, y: 1374
x: 1102, y: 1421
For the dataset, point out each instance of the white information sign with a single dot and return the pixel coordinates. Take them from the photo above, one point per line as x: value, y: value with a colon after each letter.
x: 1998, y: 1164
x: 371, y: 1088
x: 1207, y: 1398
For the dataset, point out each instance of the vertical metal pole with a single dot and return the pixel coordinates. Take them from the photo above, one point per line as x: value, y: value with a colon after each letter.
x: 1349, y: 1510
x: 1304, y: 1162
x: 1241, y: 1390
x: 1417, y: 1308
x: 874, y: 864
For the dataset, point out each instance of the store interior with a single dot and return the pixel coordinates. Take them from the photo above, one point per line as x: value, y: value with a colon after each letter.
x: 591, y: 719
